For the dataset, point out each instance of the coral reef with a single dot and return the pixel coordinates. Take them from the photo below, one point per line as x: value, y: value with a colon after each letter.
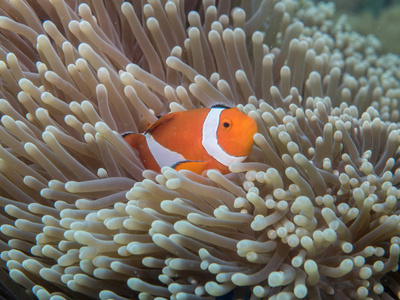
x: 312, y: 214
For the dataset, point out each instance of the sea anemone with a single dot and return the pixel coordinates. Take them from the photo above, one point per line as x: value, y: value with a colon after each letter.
x: 312, y: 214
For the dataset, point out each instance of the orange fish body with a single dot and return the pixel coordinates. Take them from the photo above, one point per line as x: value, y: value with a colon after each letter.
x: 196, y: 140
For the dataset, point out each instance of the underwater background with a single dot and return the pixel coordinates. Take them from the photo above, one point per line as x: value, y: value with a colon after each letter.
x: 378, y: 17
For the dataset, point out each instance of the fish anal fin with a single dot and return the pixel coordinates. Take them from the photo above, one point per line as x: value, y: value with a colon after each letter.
x: 197, y: 167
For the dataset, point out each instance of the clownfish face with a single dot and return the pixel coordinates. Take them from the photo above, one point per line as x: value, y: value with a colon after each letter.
x: 235, y: 132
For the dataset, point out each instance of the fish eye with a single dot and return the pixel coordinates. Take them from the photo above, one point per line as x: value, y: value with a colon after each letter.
x: 226, y: 124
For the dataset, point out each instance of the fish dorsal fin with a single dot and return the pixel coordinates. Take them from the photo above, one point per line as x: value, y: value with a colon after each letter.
x: 220, y: 106
x: 126, y: 133
x: 161, y: 121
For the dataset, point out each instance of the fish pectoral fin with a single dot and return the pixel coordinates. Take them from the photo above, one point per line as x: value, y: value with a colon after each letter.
x: 192, y: 165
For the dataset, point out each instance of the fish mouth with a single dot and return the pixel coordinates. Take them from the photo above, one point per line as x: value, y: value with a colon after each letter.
x: 249, y: 130
x: 252, y: 130
x: 252, y: 127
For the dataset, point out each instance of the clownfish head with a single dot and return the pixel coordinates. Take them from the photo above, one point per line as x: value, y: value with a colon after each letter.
x: 235, y: 132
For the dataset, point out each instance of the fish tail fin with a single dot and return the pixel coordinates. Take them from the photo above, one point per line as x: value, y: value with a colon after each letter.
x: 134, y: 139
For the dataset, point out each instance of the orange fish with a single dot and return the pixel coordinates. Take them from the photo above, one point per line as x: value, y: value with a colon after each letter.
x: 196, y: 140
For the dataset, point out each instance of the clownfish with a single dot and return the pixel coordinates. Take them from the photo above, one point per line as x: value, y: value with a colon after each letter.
x: 196, y: 140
